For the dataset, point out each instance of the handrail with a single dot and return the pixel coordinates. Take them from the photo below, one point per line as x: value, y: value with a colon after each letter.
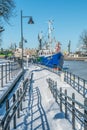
x: 70, y: 103
x: 78, y: 83
x: 7, y: 71
x: 16, y: 106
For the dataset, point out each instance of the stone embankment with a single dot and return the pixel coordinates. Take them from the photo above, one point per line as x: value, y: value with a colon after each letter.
x: 75, y: 58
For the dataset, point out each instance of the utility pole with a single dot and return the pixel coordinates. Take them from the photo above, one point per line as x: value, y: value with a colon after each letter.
x: 69, y: 47
x: 40, y: 40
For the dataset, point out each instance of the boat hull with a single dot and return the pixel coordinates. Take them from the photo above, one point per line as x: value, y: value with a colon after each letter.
x: 52, y: 61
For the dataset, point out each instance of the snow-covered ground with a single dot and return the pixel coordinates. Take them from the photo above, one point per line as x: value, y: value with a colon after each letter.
x: 40, y: 111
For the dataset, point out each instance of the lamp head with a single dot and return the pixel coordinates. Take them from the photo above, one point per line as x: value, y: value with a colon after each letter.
x: 30, y: 21
x: 2, y: 29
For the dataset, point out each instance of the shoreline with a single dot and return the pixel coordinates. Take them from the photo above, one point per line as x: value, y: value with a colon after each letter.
x: 75, y: 58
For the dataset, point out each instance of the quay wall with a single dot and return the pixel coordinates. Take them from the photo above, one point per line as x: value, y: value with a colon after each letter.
x: 75, y: 58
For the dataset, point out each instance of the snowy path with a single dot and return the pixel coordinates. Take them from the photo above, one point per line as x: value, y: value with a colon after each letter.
x: 55, y: 118
x: 40, y: 110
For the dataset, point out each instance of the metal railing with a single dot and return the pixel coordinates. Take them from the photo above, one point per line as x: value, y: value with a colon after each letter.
x: 13, y: 111
x: 7, y: 71
x: 76, y: 82
x: 74, y: 111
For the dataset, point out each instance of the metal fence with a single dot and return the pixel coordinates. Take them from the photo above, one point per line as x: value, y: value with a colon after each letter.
x: 13, y: 111
x: 76, y: 82
x: 74, y: 111
x: 7, y: 71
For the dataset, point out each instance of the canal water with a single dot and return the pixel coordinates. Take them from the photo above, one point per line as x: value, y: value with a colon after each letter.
x: 78, y: 68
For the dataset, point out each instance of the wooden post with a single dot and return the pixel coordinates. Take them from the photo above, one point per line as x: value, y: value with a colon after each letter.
x: 85, y: 114
x: 14, y: 118
x: 65, y: 103
x: 73, y: 111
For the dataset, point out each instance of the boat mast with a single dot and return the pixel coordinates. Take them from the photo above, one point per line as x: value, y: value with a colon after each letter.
x: 50, y: 29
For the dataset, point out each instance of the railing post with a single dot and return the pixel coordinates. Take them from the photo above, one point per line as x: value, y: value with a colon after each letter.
x: 73, y: 80
x: 6, y: 73
x: 18, y: 112
x: 61, y: 99
x: 13, y: 69
x: 73, y: 111
x: 53, y: 87
x: 56, y: 91
x: 67, y: 76
x: 23, y: 90
x: 1, y: 75
x: 70, y: 79
x: 7, y: 107
x: 65, y: 103
x: 85, y: 114
x: 9, y: 69
x: 50, y: 84
x: 21, y: 99
x: 78, y: 84
x: 84, y: 88
x: 14, y: 118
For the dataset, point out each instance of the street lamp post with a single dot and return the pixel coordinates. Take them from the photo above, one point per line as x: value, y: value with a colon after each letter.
x: 29, y: 22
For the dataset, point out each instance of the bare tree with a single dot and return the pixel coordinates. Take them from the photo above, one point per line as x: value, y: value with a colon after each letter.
x: 83, y: 40
x: 6, y: 9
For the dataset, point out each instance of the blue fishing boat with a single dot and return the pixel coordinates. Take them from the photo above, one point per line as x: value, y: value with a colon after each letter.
x: 49, y: 57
